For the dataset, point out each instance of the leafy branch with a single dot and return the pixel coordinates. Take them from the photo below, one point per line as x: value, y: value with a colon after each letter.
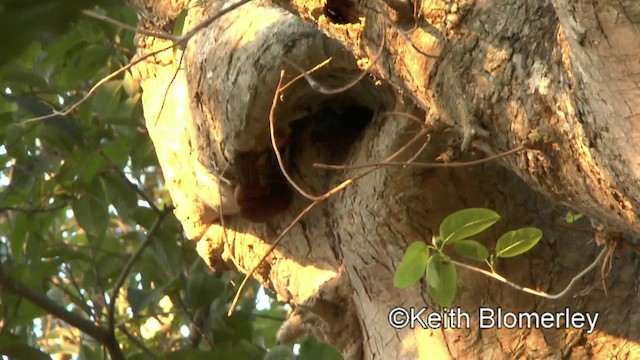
x: 429, y: 260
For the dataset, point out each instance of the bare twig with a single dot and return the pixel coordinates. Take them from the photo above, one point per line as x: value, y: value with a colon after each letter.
x: 275, y: 145
x: 81, y: 301
x: 406, y: 37
x: 411, y: 117
x: 306, y: 210
x: 166, y: 91
x: 606, y: 266
x: 543, y: 294
x: 137, y: 342
x: 313, y: 69
x: 315, y: 85
x: 182, y: 41
x: 196, y: 29
x: 338, y: 188
x: 108, y: 20
x: 194, y: 323
x: 425, y: 165
x: 133, y: 186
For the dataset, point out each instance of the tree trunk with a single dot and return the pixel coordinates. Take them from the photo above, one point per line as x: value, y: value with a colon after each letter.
x: 568, y: 70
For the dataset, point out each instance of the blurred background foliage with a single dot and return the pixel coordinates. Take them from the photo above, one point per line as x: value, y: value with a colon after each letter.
x: 82, y: 192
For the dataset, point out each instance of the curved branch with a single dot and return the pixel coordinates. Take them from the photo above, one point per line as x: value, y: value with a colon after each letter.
x: 101, y: 334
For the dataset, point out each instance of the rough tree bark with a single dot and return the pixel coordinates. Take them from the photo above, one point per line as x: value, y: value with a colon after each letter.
x: 567, y: 68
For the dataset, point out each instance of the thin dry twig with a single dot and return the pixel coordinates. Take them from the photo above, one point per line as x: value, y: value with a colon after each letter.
x: 315, y: 199
x: 131, y: 185
x: 315, y: 85
x: 543, y: 294
x: 108, y: 20
x: 313, y: 69
x: 182, y: 41
x: 166, y: 91
x: 274, y: 145
x: 306, y: 210
x: 425, y: 165
x: 606, y: 266
x: 407, y: 38
x: 417, y: 120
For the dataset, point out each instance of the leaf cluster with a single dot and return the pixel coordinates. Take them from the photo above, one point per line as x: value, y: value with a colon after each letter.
x: 456, y: 231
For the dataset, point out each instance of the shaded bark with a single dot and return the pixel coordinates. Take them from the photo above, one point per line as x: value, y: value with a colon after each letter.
x: 510, y: 68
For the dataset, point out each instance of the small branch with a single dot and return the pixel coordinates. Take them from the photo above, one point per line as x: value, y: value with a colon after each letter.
x: 194, y: 324
x: 274, y: 145
x: 407, y: 38
x: 425, y: 165
x: 34, y: 210
x: 186, y: 37
x: 129, y: 265
x: 182, y: 41
x: 101, y: 335
x: 79, y: 301
x: 315, y: 85
x: 133, y: 186
x: 137, y: 342
x: 314, y: 69
x: 320, y: 199
x: 166, y: 91
x: 543, y: 294
x: 248, y: 276
x: 108, y: 20
x: 411, y: 117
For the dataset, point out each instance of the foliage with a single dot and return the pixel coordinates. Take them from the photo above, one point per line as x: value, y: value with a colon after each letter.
x: 572, y: 217
x: 83, y: 209
x: 456, y: 229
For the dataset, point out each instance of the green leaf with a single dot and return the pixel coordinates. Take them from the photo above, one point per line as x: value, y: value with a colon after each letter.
x: 92, y: 61
x: 412, y: 266
x: 465, y: 223
x: 36, y: 20
x: 91, y: 210
x: 143, y: 154
x: 25, y: 313
x: 571, y: 217
x: 280, y: 352
x: 118, y: 150
x: 441, y: 280
x: 144, y: 216
x: 90, y: 165
x: 517, y: 242
x: 130, y: 84
x: 121, y: 195
x: 202, y: 289
x: 194, y: 354
x: 311, y: 349
x: 22, y: 76
x: 23, y: 352
x: 6, y: 120
x: 472, y: 250
x: 140, y: 299
x: 107, y: 98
